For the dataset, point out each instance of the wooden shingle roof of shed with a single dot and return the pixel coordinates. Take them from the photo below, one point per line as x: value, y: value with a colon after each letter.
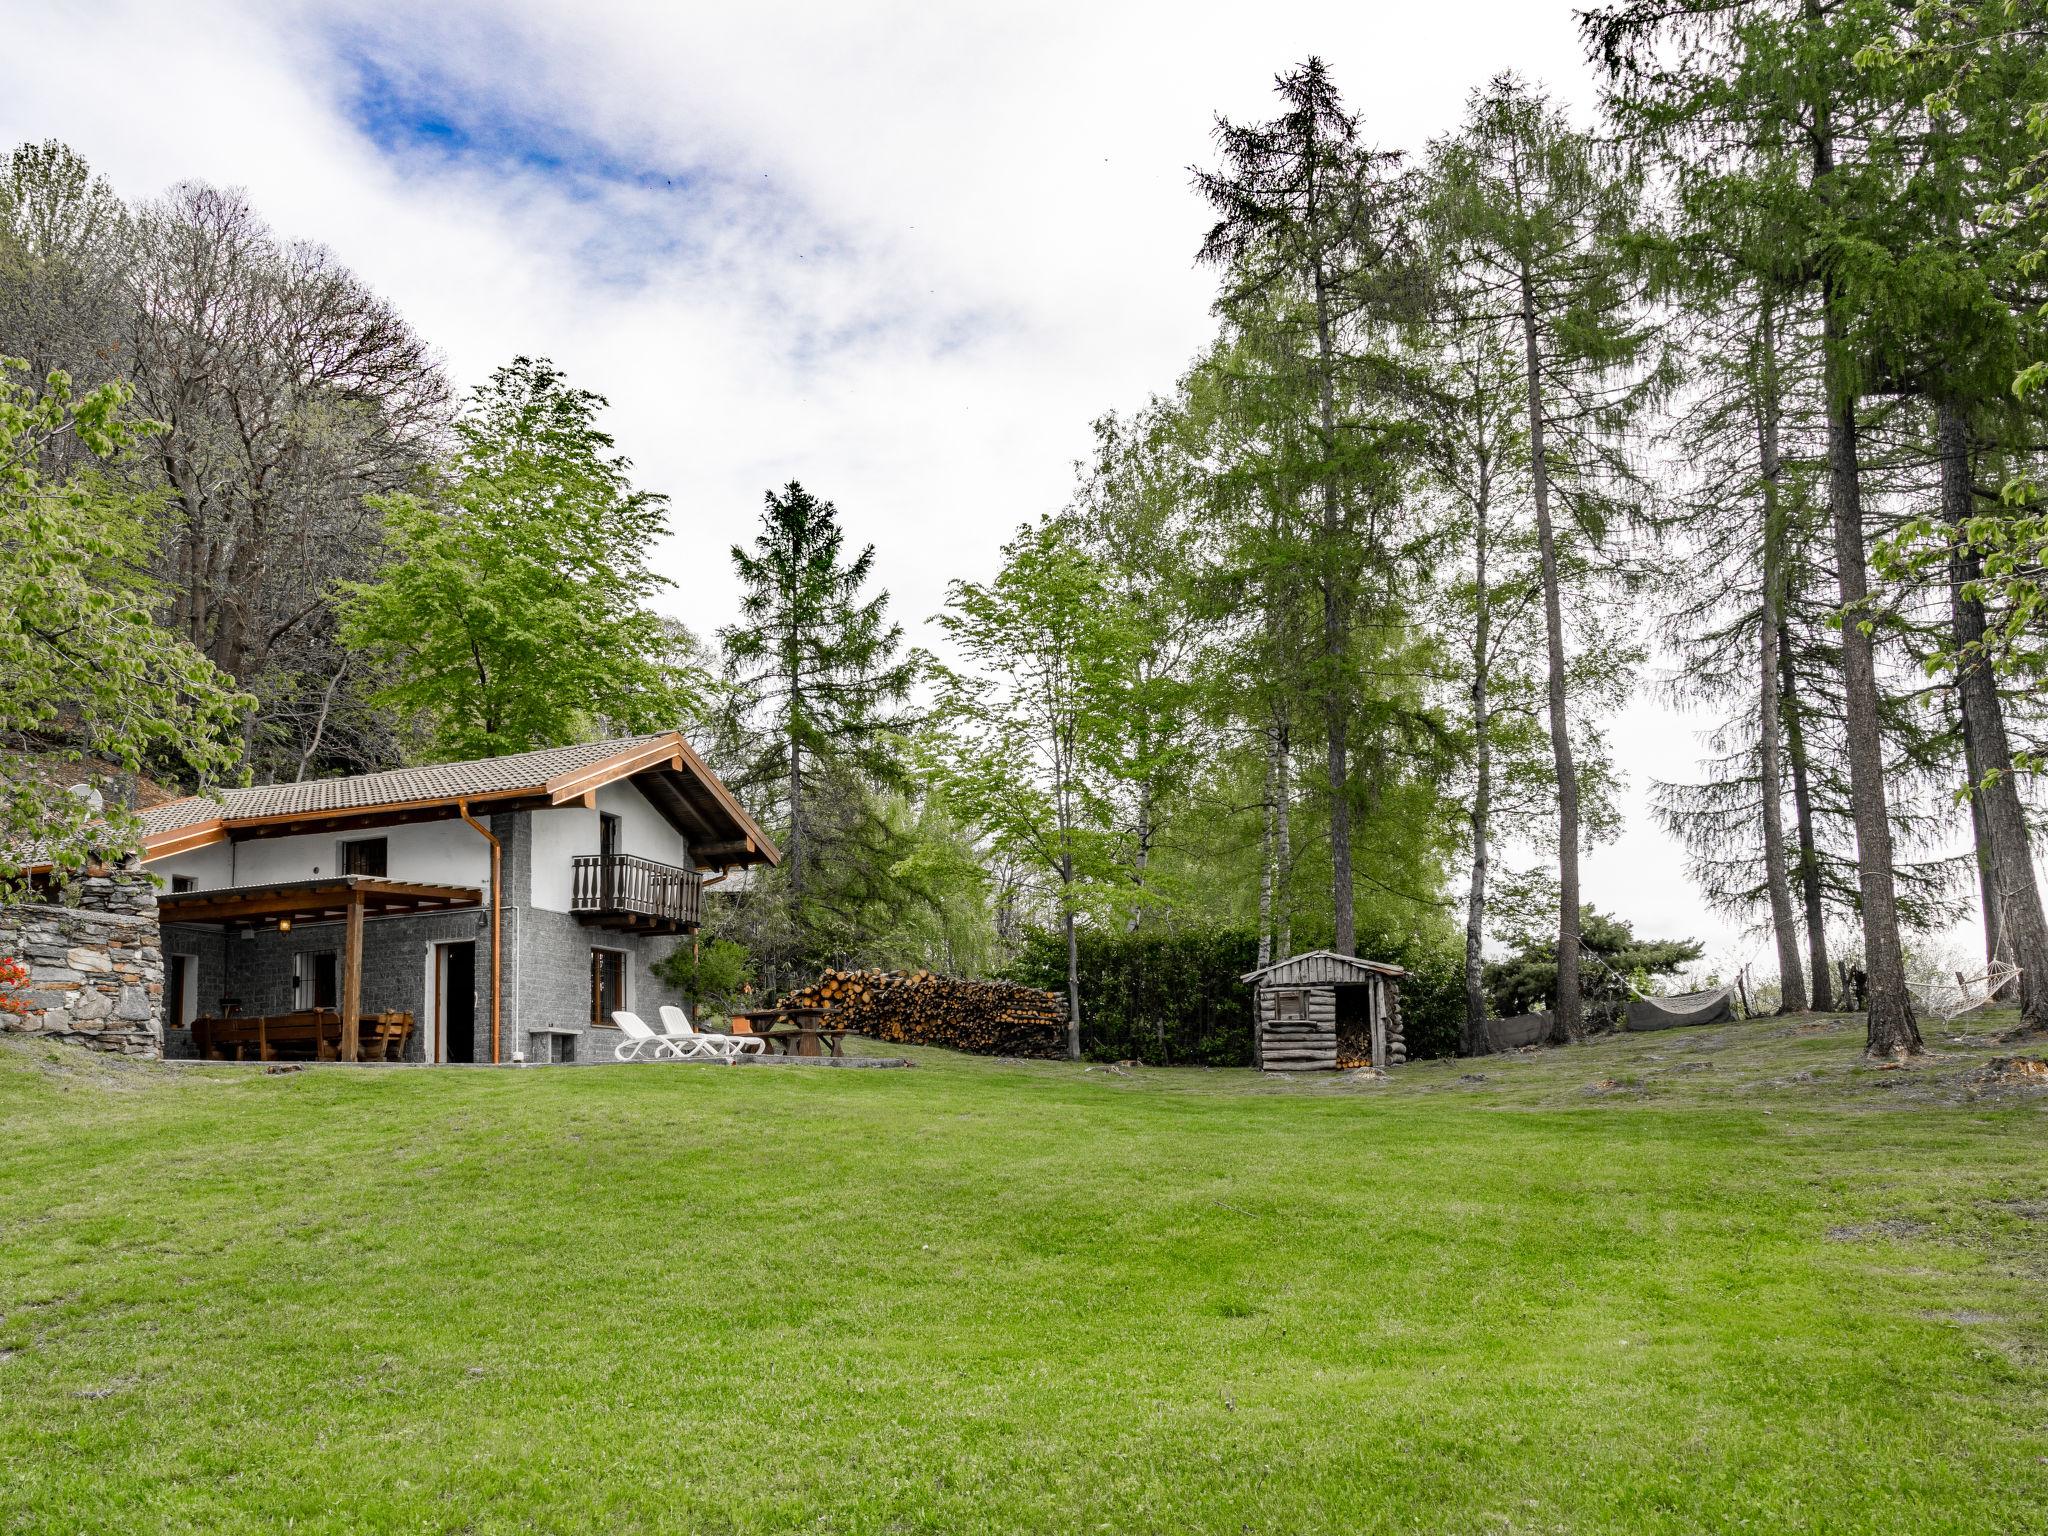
x: 1321, y: 968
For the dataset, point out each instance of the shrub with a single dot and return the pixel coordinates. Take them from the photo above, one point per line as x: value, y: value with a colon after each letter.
x: 711, y: 974
x: 1166, y: 999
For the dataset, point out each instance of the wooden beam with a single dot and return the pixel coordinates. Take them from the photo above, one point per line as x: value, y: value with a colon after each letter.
x: 565, y: 787
x: 352, y: 980
x: 200, y: 834
x: 722, y: 854
x: 357, y: 818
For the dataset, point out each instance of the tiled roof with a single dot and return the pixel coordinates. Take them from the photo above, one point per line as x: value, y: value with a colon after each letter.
x: 437, y: 781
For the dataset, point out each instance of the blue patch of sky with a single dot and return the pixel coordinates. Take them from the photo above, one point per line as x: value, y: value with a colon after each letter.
x: 402, y: 100
x: 653, y: 216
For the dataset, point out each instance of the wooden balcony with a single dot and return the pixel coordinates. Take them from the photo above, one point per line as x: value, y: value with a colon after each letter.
x: 623, y: 891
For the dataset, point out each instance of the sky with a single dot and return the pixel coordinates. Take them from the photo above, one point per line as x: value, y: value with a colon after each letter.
x: 904, y: 253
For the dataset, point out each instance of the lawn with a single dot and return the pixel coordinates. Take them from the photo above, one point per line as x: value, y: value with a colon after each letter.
x: 1709, y: 1280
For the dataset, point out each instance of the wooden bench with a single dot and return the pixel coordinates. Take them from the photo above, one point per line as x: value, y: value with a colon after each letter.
x: 312, y: 1034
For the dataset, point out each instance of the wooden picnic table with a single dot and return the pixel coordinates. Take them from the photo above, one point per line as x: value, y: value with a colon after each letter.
x: 793, y: 1031
x: 311, y: 1034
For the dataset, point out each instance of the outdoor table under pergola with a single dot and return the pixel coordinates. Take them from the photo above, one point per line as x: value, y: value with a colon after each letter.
x: 346, y: 899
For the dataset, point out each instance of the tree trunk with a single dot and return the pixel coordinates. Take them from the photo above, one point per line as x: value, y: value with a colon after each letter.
x: 1336, y: 714
x: 1283, y: 851
x: 1791, y: 982
x: 1267, y: 851
x: 2023, y: 929
x: 1482, y: 794
x: 1980, y: 829
x: 1568, y: 1019
x: 1823, y: 998
x: 1890, y: 1029
x: 1073, y: 974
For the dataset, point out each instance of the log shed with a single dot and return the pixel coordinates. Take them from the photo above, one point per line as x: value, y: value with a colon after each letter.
x: 1309, y: 1012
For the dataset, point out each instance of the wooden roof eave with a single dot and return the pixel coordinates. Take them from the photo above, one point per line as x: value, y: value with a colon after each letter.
x: 672, y: 754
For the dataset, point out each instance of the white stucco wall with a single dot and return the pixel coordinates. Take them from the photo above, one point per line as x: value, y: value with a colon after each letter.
x: 432, y: 852
x: 560, y: 835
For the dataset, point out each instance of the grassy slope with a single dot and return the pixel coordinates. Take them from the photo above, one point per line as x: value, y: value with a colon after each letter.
x: 1704, y: 1280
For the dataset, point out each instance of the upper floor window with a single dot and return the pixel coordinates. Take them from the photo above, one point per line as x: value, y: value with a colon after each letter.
x: 184, y: 883
x: 365, y: 856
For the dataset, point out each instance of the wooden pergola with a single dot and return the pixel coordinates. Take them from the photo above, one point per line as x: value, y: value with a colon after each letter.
x: 346, y: 899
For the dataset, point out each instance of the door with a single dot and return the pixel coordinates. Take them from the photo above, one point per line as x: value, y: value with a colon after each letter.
x: 178, y: 990
x: 326, y: 965
x: 455, y: 1002
x: 608, y: 860
x: 607, y: 984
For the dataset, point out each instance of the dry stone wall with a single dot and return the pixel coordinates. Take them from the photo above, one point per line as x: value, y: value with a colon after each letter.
x: 95, y: 964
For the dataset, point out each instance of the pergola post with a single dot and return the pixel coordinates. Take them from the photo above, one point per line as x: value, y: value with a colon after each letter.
x: 352, y: 978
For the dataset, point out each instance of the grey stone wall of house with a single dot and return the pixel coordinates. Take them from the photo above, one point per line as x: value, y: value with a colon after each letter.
x: 205, y: 950
x: 96, y: 973
x: 254, y: 969
x: 548, y: 976
x: 547, y: 965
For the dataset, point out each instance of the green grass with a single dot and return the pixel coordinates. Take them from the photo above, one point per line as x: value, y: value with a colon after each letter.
x: 1711, y: 1280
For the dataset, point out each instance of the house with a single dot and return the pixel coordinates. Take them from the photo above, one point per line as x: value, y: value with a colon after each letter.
x: 506, y: 905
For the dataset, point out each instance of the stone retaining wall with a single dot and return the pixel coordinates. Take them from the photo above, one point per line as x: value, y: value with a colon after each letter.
x: 96, y: 968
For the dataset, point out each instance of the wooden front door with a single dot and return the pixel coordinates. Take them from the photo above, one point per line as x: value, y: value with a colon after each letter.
x: 607, y: 984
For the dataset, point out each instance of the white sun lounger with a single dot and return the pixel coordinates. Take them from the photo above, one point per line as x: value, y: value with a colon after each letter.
x: 641, y: 1043
x: 685, y: 1037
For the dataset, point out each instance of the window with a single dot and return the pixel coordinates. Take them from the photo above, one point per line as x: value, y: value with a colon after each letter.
x: 184, y: 883
x: 607, y: 984
x: 365, y: 856
x: 1290, y: 1007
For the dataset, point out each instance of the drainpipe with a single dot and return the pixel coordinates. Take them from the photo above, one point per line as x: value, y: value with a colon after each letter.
x: 497, y: 854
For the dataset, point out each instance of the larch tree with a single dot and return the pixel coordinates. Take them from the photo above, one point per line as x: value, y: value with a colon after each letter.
x: 1707, y: 79
x: 1542, y: 223
x: 1311, y: 234
x: 1955, y: 314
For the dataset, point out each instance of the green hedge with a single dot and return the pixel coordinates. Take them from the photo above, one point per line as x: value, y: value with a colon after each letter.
x: 1174, y: 999
x: 1166, y: 999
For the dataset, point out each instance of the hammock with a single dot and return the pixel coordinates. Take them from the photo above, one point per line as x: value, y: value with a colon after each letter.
x: 1708, y: 1007
x: 1948, y: 1002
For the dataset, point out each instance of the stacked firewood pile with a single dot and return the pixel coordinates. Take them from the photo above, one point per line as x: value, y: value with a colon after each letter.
x: 994, y: 1018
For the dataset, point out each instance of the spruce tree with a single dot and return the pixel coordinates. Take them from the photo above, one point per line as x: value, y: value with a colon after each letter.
x: 815, y: 670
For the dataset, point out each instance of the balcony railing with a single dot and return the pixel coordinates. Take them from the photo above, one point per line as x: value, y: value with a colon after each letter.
x: 621, y: 890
